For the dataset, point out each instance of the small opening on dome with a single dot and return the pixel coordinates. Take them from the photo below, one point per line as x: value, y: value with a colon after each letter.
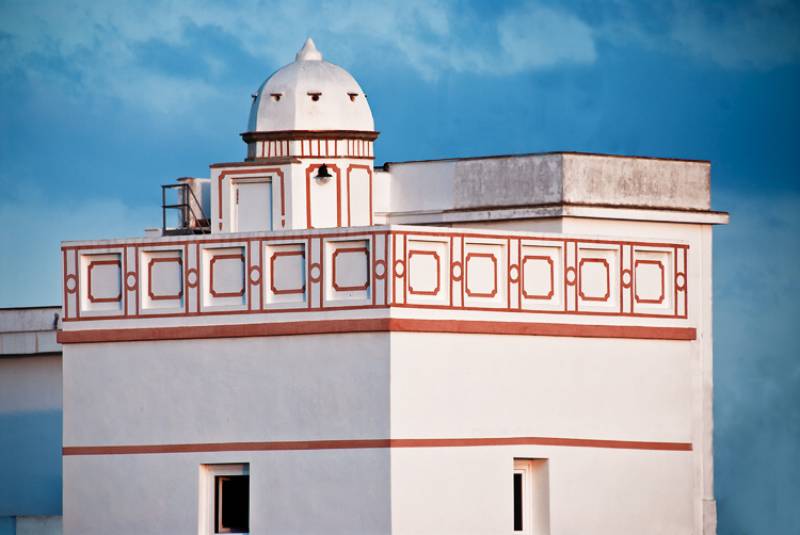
x: 314, y: 96
x: 352, y: 96
x: 276, y: 96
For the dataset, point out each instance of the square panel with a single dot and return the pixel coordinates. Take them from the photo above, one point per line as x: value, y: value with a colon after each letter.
x: 428, y: 271
x: 485, y: 274
x: 285, y: 269
x: 347, y: 272
x: 161, y: 279
x: 101, y: 290
x: 541, y: 279
x: 224, y: 277
x: 597, y: 278
x: 653, y: 281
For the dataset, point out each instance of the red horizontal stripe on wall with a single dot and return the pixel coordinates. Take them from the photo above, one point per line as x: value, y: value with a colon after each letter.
x: 297, y: 445
x: 376, y: 325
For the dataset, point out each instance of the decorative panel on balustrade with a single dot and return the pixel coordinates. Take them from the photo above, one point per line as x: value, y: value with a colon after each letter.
x: 379, y: 267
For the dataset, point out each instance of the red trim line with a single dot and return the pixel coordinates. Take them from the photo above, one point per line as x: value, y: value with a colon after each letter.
x: 376, y: 325
x: 301, y: 445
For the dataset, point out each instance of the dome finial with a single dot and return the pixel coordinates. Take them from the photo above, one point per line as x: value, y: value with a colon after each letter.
x: 309, y: 52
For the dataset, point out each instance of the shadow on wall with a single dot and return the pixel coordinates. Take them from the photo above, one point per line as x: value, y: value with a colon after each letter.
x: 30, y: 464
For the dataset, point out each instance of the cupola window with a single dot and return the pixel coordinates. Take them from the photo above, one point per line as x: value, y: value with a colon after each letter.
x: 276, y: 96
x: 314, y: 96
x: 352, y: 96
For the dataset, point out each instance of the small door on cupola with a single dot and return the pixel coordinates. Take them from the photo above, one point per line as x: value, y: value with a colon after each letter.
x: 252, y: 205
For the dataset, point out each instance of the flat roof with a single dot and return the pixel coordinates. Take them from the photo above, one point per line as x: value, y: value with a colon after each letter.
x: 550, y: 153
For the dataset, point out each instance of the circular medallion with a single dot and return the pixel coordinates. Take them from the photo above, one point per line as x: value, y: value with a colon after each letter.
x: 399, y: 268
x: 680, y: 282
x: 130, y: 281
x: 191, y: 278
x: 513, y: 273
x: 570, y: 275
x: 456, y: 271
x: 626, y: 278
x: 315, y: 272
x: 380, y: 269
x: 255, y: 275
x: 71, y: 283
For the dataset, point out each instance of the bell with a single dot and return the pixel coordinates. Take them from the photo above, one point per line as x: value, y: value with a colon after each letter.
x: 322, y: 173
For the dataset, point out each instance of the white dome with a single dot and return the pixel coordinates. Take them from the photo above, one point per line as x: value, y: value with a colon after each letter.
x: 310, y: 94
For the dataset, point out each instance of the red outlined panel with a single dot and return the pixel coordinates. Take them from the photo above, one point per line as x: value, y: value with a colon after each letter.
x: 539, y: 260
x: 340, y: 256
x: 213, y: 276
x: 347, y: 273
x: 274, y: 264
x: 593, y: 294
x: 90, y: 286
x: 657, y: 284
x: 153, y: 262
x: 645, y: 264
x: 417, y: 270
x: 337, y: 182
x: 350, y: 191
x: 477, y: 271
x: 472, y: 260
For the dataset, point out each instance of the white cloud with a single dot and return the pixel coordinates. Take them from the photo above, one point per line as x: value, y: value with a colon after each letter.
x: 93, y: 48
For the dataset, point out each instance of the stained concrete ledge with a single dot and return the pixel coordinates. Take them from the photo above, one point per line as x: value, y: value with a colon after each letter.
x: 549, y: 179
x: 29, y: 331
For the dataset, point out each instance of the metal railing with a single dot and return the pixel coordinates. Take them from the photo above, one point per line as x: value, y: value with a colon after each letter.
x: 193, y: 219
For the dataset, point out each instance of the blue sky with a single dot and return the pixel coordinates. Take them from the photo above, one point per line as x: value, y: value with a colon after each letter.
x: 104, y: 101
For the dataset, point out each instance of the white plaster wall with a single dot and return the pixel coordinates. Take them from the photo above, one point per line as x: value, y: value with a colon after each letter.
x: 592, y: 491
x: 226, y: 390
x: 450, y: 385
x: 476, y: 386
x: 551, y: 225
x: 340, y: 491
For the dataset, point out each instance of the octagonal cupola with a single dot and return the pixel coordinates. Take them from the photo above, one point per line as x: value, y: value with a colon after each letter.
x: 309, y: 157
x: 307, y: 95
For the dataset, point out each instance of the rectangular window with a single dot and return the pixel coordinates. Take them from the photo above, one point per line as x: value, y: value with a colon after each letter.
x: 518, y: 501
x: 531, y: 497
x: 232, y: 504
x: 224, y: 499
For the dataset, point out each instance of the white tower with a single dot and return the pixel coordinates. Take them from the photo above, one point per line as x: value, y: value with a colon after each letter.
x: 311, y: 127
